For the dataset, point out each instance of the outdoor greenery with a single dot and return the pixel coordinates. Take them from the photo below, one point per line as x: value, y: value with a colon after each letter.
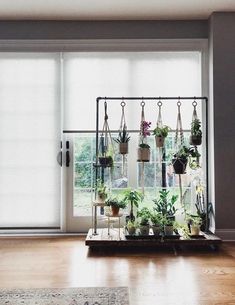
x: 84, y: 157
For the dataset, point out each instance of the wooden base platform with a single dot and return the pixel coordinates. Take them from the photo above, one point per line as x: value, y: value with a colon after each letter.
x: 102, y: 239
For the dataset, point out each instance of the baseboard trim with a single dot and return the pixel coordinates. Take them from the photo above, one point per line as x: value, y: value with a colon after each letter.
x: 226, y: 234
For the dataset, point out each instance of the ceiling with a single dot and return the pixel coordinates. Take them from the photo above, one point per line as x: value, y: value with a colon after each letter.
x: 111, y: 9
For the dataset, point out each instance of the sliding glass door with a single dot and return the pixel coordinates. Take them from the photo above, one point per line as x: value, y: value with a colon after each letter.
x: 30, y: 134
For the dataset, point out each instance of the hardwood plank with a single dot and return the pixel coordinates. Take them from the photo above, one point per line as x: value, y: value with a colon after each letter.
x: 162, y: 277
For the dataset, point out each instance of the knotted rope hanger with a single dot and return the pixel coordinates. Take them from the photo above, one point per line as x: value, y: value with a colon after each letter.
x: 122, y: 130
x: 141, y: 139
x: 123, y: 118
x: 194, y: 116
x: 105, y: 134
x: 159, y: 117
x: 179, y: 135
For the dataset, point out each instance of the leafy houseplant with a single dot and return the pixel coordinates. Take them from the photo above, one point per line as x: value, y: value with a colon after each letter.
x: 180, y: 159
x: 195, y: 222
x: 144, y: 215
x: 196, y: 133
x: 168, y: 226
x: 122, y: 140
x: 144, y: 148
x: 160, y: 134
x: 102, y: 191
x: 131, y: 227
x: 115, y: 205
x: 133, y: 197
x: 156, y: 220
x: 165, y: 205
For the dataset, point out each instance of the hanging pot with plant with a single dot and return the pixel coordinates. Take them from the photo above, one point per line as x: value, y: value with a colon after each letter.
x: 106, y: 149
x: 122, y: 140
x: 196, y: 132
x: 160, y: 134
x: 123, y: 136
x: 144, y: 148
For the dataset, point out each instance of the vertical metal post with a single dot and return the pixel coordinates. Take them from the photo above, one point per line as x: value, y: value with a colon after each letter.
x: 96, y: 160
x: 207, y: 174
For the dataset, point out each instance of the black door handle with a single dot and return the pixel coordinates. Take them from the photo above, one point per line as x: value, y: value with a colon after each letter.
x: 67, y: 159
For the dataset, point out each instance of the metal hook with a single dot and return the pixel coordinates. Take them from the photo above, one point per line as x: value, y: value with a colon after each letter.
x: 194, y: 103
x: 142, y: 104
x: 159, y: 104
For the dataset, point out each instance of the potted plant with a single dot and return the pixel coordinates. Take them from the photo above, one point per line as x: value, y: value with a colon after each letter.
x: 195, y: 222
x: 115, y: 204
x: 156, y: 220
x: 106, y: 159
x: 196, y: 133
x: 144, y: 148
x: 168, y: 226
x: 131, y: 227
x: 122, y: 140
x: 102, y: 191
x: 165, y: 205
x: 180, y: 159
x: 134, y: 197
x: 144, y: 215
x: 160, y: 134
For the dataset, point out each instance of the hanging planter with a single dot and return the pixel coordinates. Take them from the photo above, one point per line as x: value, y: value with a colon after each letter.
x: 181, y: 158
x: 144, y: 148
x: 196, y: 133
x: 106, y: 146
x: 123, y: 136
x: 106, y: 161
x: 160, y: 134
x: 144, y: 153
x: 161, y: 131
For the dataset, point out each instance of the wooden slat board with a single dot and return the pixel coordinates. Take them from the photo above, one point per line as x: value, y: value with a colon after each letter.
x: 102, y: 239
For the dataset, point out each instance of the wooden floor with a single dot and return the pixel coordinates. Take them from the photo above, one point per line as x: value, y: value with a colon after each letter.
x: 161, y: 277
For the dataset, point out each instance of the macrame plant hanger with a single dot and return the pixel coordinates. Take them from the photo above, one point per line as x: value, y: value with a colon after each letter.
x: 160, y: 125
x: 106, y: 149
x: 124, y: 136
x: 179, y: 142
x: 195, y: 117
x: 141, y: 140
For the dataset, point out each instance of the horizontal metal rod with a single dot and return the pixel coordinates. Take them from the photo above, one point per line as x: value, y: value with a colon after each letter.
x: 114, y: 131
x: 110, y: 98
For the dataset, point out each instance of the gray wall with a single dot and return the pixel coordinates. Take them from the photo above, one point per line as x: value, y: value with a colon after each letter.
x: 222, y: 84
x: 103, y: 29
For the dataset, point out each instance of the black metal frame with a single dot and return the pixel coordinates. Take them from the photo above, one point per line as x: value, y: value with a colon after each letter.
x: 148, y: 98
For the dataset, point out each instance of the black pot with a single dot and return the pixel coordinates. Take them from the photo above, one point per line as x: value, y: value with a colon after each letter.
x: 179, y: 165
x: 195, y: 140
x: 106, y: 161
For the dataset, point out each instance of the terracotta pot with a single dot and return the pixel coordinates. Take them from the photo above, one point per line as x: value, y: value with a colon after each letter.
x: 195, y: 229
x: 156, y: 229
x: 144, y: 230
x: 168, y: 230
x: 195, y: 140
x: 179, y: 165
x: 159, y: 141
x: 143, y: 154
x: 123, y: 148
x: 115, y: 210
